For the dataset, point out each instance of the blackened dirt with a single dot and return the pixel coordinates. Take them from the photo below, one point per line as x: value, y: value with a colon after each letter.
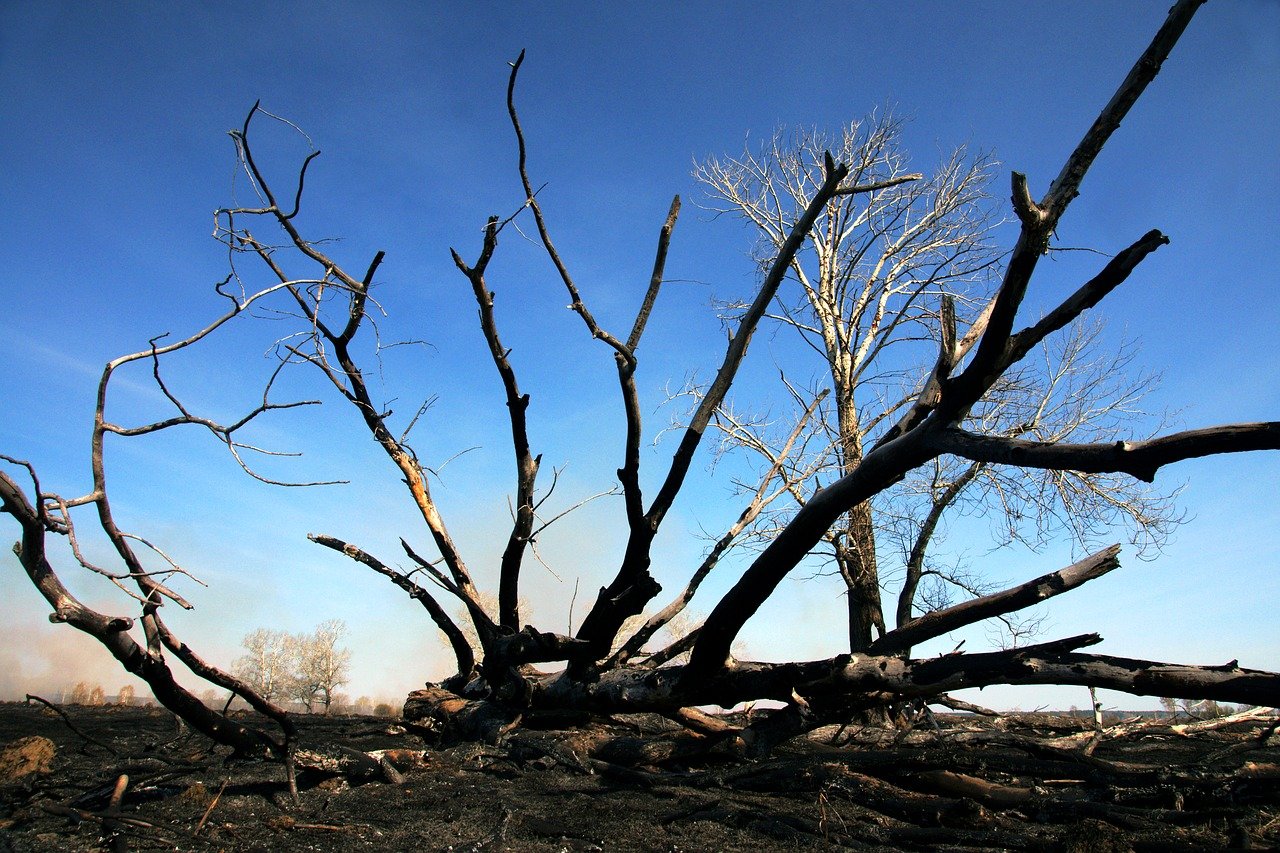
x: 962, y: 783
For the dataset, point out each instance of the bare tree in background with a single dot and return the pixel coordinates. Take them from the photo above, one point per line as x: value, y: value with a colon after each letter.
x: 880, y: 252
x: 307, y: 668
x: 877, y: 264
x: 962, y: 406
x: 320, y: 664
x: 267, y: 665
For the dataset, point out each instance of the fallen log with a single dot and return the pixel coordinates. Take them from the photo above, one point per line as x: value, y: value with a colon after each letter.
x: 849, y: 678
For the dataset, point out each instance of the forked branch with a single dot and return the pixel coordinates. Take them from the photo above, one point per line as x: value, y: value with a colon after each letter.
x: 462, y: 650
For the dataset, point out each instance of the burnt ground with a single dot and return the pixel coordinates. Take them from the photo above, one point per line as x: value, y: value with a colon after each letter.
x: 968, y: 784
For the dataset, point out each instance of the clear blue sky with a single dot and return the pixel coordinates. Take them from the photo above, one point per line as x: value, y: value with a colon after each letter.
x: 115, y: 155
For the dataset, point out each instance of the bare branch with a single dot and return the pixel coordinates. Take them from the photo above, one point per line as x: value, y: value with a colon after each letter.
x: 858, y: 189
x: 576, y: 304
x: 939, y: 622
x: 112, y: 632
x: 655, y: 280
x: 517, y: 404
x: 1140, y: 459
x: 462, y: 650
x: 634, y: 586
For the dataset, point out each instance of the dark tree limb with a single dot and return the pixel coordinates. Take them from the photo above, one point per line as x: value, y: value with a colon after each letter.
x: 348, y: 378
x: 858, y: 189
x: 759, y: 502
x: 634, y: 586
x: 672, y: 651
x: 1140, y: 459
x: 463, y: 719
x: 1040, y: 220
x: 959, y: 394
x: 939, y: 622
x: 655, y: 279
x: 924, y: 537
x: 153, y: 593
x: 889, y: 677
x: 530, y: 645
x: 462, y: 650
x: 67, y: 720
x: 112, y: 633
x: 444, y: 581
x: 878, y: 470
x: 576, y: 304
x: 517, y: 404
x: 629, y: 473
x: 1067, y: 185
x: 1089, y: 295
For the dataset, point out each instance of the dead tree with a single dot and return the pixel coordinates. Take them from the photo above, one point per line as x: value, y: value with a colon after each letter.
x: 497, y: 684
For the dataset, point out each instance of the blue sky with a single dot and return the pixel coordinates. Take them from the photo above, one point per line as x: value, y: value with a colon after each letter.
x: 115, y: 155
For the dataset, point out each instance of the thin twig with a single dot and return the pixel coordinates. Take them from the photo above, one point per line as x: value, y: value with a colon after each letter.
x: 205, y: 818
x: 71, y: 725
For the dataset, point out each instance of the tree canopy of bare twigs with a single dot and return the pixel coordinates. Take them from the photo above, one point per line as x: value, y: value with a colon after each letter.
x: 893, y: 256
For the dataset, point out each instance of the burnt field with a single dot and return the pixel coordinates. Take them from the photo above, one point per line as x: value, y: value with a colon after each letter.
x: 1023, y: 782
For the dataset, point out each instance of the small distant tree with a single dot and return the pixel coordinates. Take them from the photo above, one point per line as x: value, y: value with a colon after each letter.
x: 266, y: 664
x: 363, y: 705
x: 79, y: 694
x: 297, y: 687
x: 311, y: 667
x: 97, y: 696
x: 384, y: 709
x: 1209, y: 709
x: 321, y: 664
x: 124, y: 696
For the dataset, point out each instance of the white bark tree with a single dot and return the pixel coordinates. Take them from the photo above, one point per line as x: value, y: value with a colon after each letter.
x: 882, y: 250
x: 885, y: 254
x: 320, y: 664
x: 267, y: 664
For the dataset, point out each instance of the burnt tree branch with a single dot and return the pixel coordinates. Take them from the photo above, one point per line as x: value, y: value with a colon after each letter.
x: 112, y: 632
x: 849, y: 677
x: 462, y: 650
x: 1140, y: 459
x: 1032, y: 592
x: 517, y: 404
x: 633, y: 586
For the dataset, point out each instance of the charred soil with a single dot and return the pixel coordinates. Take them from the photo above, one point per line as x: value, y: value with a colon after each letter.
x: 959, y: 783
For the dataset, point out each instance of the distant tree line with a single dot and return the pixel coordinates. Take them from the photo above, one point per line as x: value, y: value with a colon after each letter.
x: 84, y: 693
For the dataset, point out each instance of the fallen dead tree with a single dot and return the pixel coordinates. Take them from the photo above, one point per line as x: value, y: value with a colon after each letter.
x: 497, y: 687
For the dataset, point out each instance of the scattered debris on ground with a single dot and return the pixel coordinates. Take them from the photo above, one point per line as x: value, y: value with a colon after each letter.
x: 131, y: 779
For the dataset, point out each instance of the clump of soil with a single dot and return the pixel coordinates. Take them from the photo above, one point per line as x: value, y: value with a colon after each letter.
x: 966, y: 784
